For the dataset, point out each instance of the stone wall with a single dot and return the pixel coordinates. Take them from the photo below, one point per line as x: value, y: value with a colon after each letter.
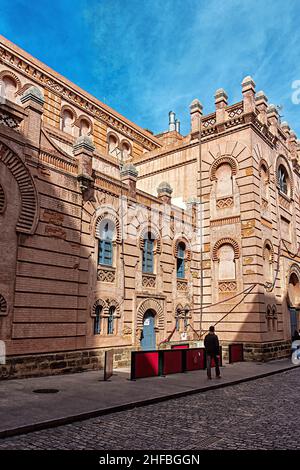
x: 61, y: 363
x: 267, y: 351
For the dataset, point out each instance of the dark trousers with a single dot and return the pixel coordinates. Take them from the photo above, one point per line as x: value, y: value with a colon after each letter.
x: 209, y: 357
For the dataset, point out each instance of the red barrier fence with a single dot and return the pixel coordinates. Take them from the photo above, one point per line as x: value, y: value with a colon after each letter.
x: 236, y: 352
x: 167, y: 361
x: 180, y: 358
x: 172, y: 361
x: 195, y: 359
x: 144, y: 364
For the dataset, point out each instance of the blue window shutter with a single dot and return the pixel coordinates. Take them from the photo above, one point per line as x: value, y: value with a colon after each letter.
x: 110, y: 321
x: 180, y: 260
x: 148, y: 255
x: 180, y: 268
x: 97, y: 320
x: 105, y: 252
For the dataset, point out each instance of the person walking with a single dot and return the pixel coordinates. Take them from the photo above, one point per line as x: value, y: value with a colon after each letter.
x: 212, y: 349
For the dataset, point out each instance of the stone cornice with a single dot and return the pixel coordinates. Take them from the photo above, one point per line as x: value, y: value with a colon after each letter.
x: 17, y: 59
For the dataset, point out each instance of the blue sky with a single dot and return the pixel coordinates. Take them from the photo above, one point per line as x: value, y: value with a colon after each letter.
x: 147, y: 57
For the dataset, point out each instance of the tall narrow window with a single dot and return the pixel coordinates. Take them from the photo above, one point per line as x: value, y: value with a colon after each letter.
x: 97, y: 320
x: 226, y: 262
x: 110, y: 321
x: 67, y: 121
x: 8, y: 88
x: 105, y: 255
x: 84, y: 127
x: 113, y: 145
x: 264, y: 179
x: 283, y: 180
x: 224, y: 180
x: 267, y: 263
x: 126, y: 150
x: 180, y: 260
x: 177, y: 318
x: 148, y: 254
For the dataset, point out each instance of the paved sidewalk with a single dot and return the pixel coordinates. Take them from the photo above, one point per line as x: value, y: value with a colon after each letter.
x: 84, y: 395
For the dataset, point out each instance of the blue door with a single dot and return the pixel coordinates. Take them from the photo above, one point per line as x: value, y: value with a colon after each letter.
x: 148, y: 337
x: 294, y: 325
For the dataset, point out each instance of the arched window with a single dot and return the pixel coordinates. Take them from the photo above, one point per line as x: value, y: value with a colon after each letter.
x: 97, y: 320
x: 294, y: 291
x: 224, y: 180
x: 264, y: 181
x: 110, y: 320
x: 113, y: 145
x: 178, y: 315
x: 105, y: 252
x: 126, y: 149
x: 283, y: 180
x: 148, y: 254
x: 226, y: 259
x: 67, y: 121
x: 180, y: 260
x: 268, y: 263
x: 8, y: 88
x: 84, y: 127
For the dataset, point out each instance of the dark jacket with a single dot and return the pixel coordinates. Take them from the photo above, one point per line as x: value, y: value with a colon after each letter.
x: 211, y: 343
x: 296, y: 336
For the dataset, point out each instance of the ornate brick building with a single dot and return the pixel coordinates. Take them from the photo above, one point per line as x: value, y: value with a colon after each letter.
x: 101, y: 225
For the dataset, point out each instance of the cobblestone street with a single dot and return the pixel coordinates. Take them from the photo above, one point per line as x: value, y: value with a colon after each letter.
x: 261, y: 414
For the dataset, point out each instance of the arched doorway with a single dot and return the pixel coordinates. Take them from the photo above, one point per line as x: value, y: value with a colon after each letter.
x: 294, y: 301
x: 148, y: 340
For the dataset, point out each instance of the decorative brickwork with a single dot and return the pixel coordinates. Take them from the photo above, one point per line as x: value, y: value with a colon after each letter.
x: 93, y: 107
x: 155, y: 306
x: 155, y: 233
x: 106, y: 275
x: 226, y: 241
x: 284, y: 202
x: 3, y: 305
x: 225, y: 202
x: 114, y: 219
x: 219, y: 161
x: 148, y: 280
x: 2, y: 199
x: 236, y: 110
x: 8, y: 120
x: 225, y: 221
x: 209, y: 121
x: 13, y: 76
x: 98, y: 303
x: 227, y: 286
x: 27, y: 219
x: 187, y: 253
x: 182, y: 285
